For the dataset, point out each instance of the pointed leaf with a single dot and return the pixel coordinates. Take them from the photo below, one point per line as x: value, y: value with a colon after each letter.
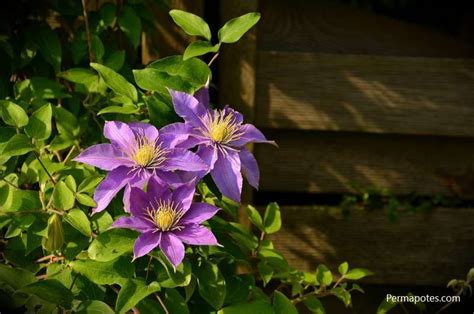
x: 234, y: 29
x: 191, y: 23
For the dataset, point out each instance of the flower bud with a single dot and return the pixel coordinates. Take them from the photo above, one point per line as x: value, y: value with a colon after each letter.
x: 55, y: 238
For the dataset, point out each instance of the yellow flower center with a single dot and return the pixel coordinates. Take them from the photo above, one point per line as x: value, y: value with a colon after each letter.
x: 221, y: 127
x: 148, y: 154
x: 165, y: 215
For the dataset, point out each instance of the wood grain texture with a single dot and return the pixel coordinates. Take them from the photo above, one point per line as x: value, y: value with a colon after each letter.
x: 335, y: 162
x: 326, y: 26
x: 165, y: 38
x: 406, y: 95
x: 419, y: 249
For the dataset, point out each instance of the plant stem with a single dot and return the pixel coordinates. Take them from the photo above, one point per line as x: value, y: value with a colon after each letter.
x: 213, y: 59
x: 162, y: 304
x: 69, y: 154
x: 148, y: 268
x: 44, y: 167
x: 9, y: 183
x: 88, y: 31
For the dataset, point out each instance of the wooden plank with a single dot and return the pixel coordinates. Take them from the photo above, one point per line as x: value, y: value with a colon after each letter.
x: 331, y: 27
x: 419, y: 249
x: 378, y: 94
x: 329, y: 162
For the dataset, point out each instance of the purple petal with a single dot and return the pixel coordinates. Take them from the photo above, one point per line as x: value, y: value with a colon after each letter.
x: 182, y: 159
x: 250, y: 135
x: 249, y: 167
x: 175, y: 134
x: 103, y: 156
x: 119, y: 134
x: 198, y: 213
x: 202, y: 95
x: 184, y: 194
x: 146, y: 242
x: 144, y: 129
x: 158, y: 190
x: 109, y: 187
x: 188, y: 107
x: 196, y: 235
x: 208, y: 154
x: 239, y: 118
x: 136, y: 181
x: 172, y: 247
x: 135, y: 223
x: 226, y: 174
x: 139, y: 201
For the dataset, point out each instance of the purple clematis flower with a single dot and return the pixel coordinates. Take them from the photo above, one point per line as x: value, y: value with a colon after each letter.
x: 167, y: 219
x: 137, y: 152
x: 220, y: 136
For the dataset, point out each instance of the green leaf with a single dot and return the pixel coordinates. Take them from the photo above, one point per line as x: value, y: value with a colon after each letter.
x: 258, y: 306
x: 116, y: 82
x: 18, y: 225
x: 343, y: 268
x: 97, y: 47
x: 272, y: 218
x: 50, y: 47
x: 314, y: 305
x: 93, y: 307
x: 234, y: 29
x: 211, y: 284
x: 273, y: 258
x: 199, y: 48
x: 85, y: 199
x: 132, y: 292
x: 18, y: 145
x: 89, y: 183
x: 63, y: 197
x: 386, y: 306
x: 39, y: 126
x: 255, y: 217
x: 131, y: 25
x: 102, y: 221
x: 170, y: 277
x: 38, y: 88
x: 238, y: 288
x: 116, y: 60
x: 266, y: 272
x: 323, y: 275
x: 50, y: 290
x: 55, y: 237
x: 111, y: 244
x: 107, y: 13
x: 343, y: 295
x: 12, y: 114
x: 76, y: 218
x: 117, y: 271
x: 85, y: 77
x: 118, y: 109
x: 66, y: 122
x: 71, y: 183
x: 191, y: 24
x: 281, y: 304
x: 160, y: 112
x: 15, y: 277
x: 174, y: 302
x: 175, y: 73
x: 358, y: 273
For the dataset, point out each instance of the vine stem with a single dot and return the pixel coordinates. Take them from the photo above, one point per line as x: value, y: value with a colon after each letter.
x: 162, y: 303
x: 88, y: 31
x: 213, y: 59
x: 44, y: 167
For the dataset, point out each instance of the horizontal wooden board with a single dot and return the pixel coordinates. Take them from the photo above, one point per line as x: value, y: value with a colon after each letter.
x: 419, y: 249
x: 333, y: 162
x: 326, y: 26
x: 406, y: 95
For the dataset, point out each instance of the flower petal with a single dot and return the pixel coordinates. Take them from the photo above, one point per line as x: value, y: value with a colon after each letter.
x: 138, y: 180
x: 198, y: 213
x: 103, y: 156
x: 175, y: 134
x: 184, y: 194
x: 158, y: 189
x: 250, y: 135
x: 134, y: 223
x: 196, y: 235
x: 182, y: 159
x: 144, y: 129
x: 208, y: 153
x: 172, y: 247
x: 202, y: 95
x: 249, y: 167
x: 239, y: 118
x: 226, y: 174
x: 146, y: 242
x: 119, y: 134
x: 139, y: 201
x: 188, y: 107
x: 109, y: 187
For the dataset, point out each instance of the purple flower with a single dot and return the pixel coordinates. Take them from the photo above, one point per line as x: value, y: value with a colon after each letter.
x: 220, y: 136
x: 137, y: 152
x: 167, y: 219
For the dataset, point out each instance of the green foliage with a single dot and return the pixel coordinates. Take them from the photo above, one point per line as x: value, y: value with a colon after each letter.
x: 191, y: 23
x: 234, y: 29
